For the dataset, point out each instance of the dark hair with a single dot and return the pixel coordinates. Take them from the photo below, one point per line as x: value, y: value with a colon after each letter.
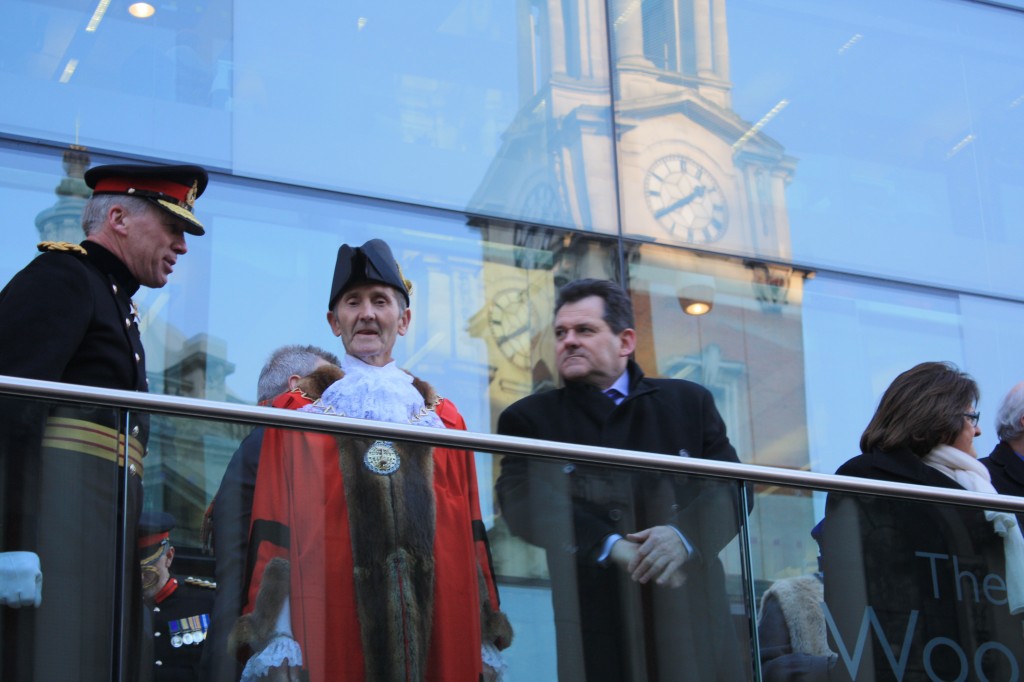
x: 618, y: 308
x: 922, y: 408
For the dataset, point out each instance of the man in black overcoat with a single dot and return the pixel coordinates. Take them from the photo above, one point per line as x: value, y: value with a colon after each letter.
x: 638, y: 589
x: 71, y: 490
x: 1005, y: 463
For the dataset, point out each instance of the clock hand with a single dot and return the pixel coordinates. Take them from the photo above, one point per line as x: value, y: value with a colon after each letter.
x: 512, y: 334
x: 678, y: 204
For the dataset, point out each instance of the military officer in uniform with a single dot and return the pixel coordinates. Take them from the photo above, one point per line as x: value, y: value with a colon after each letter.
x: 180, y: 606
x: 70, y: 479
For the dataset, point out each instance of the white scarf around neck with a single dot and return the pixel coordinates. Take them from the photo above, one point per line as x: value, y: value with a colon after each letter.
x: 380, y: 393
x: 972, y: 475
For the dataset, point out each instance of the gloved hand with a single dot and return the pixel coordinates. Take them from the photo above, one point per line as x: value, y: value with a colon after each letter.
x: 21, y: 579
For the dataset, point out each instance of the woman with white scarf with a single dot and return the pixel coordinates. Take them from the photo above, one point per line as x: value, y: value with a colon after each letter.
x: 937, y: 589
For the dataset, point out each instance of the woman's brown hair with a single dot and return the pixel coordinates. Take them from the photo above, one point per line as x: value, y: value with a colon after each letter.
x: 922, y: 408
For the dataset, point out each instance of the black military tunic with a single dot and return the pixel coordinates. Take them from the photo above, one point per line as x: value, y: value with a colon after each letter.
x: 181, y: 617
x: 68, y: 316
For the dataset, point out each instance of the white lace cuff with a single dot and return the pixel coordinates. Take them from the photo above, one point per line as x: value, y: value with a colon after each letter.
x: 493, y: 658
x: 280, y: 650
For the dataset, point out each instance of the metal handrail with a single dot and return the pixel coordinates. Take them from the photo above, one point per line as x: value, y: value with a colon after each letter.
x: 266, y: 416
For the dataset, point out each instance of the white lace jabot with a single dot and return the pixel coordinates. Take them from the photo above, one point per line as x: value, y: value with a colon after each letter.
x: 380, y: 393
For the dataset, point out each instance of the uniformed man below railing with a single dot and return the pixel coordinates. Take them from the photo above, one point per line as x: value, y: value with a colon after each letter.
x: 180, y: 606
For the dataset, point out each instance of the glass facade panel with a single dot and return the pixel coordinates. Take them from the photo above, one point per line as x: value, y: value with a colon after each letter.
x: 91, y: 73
x: 992, y: 332
x: 859, y: 334
x: 735, y: 328
x: 260, y: 278
x: 603, y: 620
x: 691, y: 170
x: 874, y: 332
x: 902, y: 121
x: 66, y: 572
x: 802, y: 199
x: 863, y: 137
x: 873, y: 587
x: 296, y: 491
x: 450, y: 104
x: 890, y: 589
x: 747, y: 348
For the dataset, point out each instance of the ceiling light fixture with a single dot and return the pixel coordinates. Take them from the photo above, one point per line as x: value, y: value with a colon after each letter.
x: 696, y: 294
x: 857, y: 37
x: 958, y: 147
x: 69, y: 71
x: 97, y: 16
x: 141, y: 10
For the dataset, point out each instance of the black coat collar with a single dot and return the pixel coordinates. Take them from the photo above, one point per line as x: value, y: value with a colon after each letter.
x: 1008, y: 460
x: 904, y: 465
x: 109, y: 264
x: 638, y: 385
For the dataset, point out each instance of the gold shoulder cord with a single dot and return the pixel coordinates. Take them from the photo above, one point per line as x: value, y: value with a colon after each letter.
x: 66, y: 247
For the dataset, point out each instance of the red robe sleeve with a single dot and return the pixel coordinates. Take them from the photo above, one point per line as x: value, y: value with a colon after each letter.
x: 451, y: 418
x: 269, y: 530
x: 299, y: 513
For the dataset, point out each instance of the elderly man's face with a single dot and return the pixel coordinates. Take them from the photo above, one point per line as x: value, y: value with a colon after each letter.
x: 369, y: 319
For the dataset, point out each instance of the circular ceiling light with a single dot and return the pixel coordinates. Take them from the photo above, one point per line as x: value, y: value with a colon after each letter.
x: 142, y: 10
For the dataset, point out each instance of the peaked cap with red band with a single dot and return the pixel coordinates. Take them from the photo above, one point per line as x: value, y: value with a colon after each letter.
x: 172, y: 188
x: 154, y: 534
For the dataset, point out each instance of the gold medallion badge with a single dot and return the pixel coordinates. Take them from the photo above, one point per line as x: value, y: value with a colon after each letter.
x: 382, y: 458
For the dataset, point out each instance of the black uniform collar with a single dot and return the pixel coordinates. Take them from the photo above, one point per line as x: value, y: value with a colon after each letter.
x: 110, y: 264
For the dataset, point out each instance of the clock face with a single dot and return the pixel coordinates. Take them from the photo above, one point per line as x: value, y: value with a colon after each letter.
x: 511, y: 322
x: 686, y: 199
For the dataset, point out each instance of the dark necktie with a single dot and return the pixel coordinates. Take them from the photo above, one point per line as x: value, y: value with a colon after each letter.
x: 615, y: 394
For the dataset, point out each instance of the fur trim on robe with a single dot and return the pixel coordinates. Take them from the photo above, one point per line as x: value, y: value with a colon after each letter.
x: 800, y: 599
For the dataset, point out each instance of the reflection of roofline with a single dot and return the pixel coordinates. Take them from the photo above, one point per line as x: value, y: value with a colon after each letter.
x: 723, y: 122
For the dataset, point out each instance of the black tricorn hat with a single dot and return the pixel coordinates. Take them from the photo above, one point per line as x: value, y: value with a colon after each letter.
x: 371, y: 262
x: 172, y: 188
